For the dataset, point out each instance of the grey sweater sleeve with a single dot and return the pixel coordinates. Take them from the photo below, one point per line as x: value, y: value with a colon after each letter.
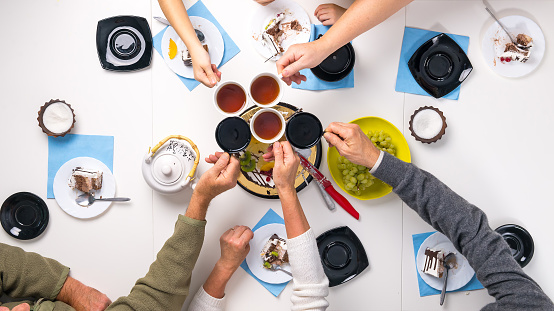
x: 468, y: 229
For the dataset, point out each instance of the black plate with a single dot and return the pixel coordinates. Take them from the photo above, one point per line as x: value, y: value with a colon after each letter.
x: 520, y: 242
x: 25, y: 211
x: 132, y: 44
x: 439, y: 65
x: 342, y: 255
x: 337, y: 65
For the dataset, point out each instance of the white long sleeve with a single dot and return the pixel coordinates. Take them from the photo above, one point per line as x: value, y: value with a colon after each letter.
x: 310, y: 284
x: 202, y: 301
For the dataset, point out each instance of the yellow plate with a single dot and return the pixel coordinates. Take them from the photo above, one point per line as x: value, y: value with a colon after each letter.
x: 379, y: 188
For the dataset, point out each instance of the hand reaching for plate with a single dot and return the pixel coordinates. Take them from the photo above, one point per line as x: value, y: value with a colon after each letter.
x: 329, y: 13
x: 204, y: 71
x: 235, y: 246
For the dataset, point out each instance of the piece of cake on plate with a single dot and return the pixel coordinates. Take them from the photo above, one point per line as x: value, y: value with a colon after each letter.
x: 434, y: 262
x: 275, y: 252
x: 514, y: 53
x: 86, y: 180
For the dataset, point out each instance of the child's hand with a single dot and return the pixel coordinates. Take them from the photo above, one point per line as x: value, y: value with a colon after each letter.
x: 264, y: 2
x: 329, y: 13
x: 204, y: 71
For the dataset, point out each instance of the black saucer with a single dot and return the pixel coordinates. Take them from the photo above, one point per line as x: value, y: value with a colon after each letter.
x: 520, y: 242
x: 26, y: 213
x: 439, y: 65
x: 342, y: 255
x: 337, y: 65
x: 126, y: 40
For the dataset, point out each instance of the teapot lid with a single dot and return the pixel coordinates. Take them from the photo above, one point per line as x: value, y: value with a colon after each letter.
x: 167, y: 169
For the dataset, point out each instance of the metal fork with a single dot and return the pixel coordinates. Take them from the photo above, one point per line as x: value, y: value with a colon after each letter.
x: 278, y: 268
x: 520, y: 46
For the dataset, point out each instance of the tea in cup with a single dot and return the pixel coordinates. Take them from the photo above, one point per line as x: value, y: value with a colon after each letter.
x: 266, y: 90
x: 267, y: 125
x: 230, y: 98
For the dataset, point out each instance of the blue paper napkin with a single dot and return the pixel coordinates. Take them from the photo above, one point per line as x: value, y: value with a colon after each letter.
x: 413, y: 39
x: 231, y: 49
x: 63, y: 149
x: 269, y: 218
x: 312, y: 82
x: 426, y: 290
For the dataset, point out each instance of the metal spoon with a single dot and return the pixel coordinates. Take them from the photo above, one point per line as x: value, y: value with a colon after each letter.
x: 86, y: 199
x: 523, y: 47
x: 278, y: 268
x: 448, y: 263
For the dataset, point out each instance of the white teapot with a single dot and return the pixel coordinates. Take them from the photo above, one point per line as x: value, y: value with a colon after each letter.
x: 171, y: 165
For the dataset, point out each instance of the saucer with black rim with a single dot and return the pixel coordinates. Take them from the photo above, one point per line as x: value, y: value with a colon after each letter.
x: 342, y: 255
x: 337, y: 65
x: 439, y: 65
x: 520, y: 242
x: 24, y: 216
x: 124, y: 43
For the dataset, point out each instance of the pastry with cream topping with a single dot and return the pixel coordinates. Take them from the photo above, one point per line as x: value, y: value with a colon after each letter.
x: 275, y: 252
x: 85, y: 180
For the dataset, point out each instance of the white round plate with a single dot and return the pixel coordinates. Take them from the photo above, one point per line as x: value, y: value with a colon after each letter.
x: 265, y: 14
x: 65, y: 196
x: 457, y: 277
x: 495, y: 39
x: 255, y: 261
x: 213, y: 39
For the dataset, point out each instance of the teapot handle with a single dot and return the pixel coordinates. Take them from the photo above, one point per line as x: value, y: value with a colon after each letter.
x: 196, y: 161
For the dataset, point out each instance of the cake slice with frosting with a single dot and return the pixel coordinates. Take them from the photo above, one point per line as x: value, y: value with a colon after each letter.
x: 514, y: 53
x: 434, y: 262
x: 275, y: 252
x: 85, y: 180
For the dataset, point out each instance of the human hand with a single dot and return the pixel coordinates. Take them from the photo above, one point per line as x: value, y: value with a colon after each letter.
x: 20, y: 307
x: 264, y: 2
x: 286, y: 166
x: 220, y: 178
x: 204, y: 71
x: 235, y: 246
x: 329, y: 13
x: 301, y: 56
x: 351, y: 142
x: 82, y: 297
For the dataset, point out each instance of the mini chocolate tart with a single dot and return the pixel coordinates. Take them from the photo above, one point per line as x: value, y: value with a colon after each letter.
x: 427, y: 124
x: 52, y: 131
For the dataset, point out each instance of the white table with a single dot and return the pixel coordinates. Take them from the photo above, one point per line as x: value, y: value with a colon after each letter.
x: 487, y: 154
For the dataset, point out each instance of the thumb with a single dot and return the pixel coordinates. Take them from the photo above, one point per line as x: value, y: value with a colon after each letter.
x: 335, y: 140
x: 222, y: 162
x: 293, y: 68
x: 211, y: 75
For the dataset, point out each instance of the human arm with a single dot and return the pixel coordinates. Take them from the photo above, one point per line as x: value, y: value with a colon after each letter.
x: 167, y: 283
x: 310, y: 284
x: 463, y: 223
x: 361, y: 16
x: 234, y: 248
x: 204, y: 71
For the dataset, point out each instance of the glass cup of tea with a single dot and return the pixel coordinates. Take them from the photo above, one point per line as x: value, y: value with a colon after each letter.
x: 230, y: 98
x: 267, y: 125
x: 266, y: 90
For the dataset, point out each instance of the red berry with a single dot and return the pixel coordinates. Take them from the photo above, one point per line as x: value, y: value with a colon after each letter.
x: 508, y: 60
x: 501, y: 59
x: 268, y: 179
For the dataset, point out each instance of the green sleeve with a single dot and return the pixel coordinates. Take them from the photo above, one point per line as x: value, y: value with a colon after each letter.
x: 166, y: 285
x: 25, y: 274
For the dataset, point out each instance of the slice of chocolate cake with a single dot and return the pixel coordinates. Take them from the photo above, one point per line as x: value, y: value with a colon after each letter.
x: 85, y: 180
x: 275, y: 252
x: 434, y: 262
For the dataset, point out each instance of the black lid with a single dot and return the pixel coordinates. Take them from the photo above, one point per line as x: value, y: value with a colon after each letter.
x: 337, y: 65
x: 303, y: 130
x: 24, y: 215
x: 233, y: 134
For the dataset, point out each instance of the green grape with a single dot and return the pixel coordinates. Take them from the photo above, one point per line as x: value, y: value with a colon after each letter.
x: 351, y: 173
x: 361, y: 167
x: 342, y: 166
x: 360, y: 177
x: 346, y: 161
x: 349, y: 166
x: 365, y: 181
x: 345, y: 172
x: 350, y: 185
x: 388, y: 139
x: 373, y: 139
x: 354, y: 169
x: 353, y: 180
x: 358, y: 192
x: 369, y: 133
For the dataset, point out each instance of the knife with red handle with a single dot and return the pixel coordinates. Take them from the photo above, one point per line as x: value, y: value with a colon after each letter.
x: 316, y: 174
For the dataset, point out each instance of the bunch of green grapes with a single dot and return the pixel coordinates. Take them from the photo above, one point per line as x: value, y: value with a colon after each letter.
x: 383, y: 141
x: 357, y: 178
